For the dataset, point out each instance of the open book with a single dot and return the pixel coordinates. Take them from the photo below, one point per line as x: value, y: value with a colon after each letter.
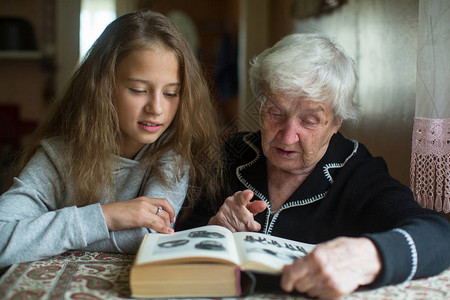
x: 207, y: 261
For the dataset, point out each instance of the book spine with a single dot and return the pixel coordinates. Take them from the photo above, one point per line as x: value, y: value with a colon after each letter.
x: 238, y: 281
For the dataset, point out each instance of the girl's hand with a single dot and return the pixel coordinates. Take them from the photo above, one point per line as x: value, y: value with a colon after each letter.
x: 139, y: 212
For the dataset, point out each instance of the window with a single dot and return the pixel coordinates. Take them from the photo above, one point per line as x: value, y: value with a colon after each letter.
x: 95, y: 15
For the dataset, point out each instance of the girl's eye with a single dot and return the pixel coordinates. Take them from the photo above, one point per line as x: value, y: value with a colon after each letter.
x: 171, y: 95
x: 137, y: 91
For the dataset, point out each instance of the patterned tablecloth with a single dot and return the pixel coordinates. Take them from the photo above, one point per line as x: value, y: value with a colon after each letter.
x: 94, y: 275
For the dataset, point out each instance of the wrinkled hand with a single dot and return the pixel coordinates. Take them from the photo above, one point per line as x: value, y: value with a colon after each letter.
x: 237, y: 212
x: 139, y: 212
x: 333, y: 269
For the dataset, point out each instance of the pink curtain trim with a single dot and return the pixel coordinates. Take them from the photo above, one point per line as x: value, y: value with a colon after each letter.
x: 430, y: 163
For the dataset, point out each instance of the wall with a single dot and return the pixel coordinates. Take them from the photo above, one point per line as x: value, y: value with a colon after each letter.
x: 261, y: 24
x: 26, y: 79
x: 67, y: 29
x: 381, y: 36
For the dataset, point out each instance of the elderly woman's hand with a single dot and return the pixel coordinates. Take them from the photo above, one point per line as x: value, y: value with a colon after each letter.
x: 237, y: 212
x: 333, y: 269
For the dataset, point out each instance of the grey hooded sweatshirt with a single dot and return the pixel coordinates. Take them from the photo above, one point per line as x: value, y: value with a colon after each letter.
x: 38, y: 219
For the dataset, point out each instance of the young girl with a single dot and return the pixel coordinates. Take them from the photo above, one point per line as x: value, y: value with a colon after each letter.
x: 129, y: 138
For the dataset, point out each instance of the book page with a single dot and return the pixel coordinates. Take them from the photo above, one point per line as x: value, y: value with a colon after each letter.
x: 266, y: 253
x: 196, y: 244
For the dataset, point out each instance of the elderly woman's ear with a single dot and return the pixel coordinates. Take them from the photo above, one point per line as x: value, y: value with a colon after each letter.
x: 338, y: 122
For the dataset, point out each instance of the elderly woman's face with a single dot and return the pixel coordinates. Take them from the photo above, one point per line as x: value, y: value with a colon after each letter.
x: 296, y: 132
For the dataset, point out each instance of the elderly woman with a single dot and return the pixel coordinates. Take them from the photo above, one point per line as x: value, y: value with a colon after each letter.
x: 299, y: 178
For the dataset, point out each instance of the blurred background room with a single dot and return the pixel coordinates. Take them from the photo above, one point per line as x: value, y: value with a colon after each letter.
x: 41, y: 42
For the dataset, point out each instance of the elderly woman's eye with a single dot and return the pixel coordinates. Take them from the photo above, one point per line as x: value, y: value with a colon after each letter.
x: 274, y: 112
x: 310, y: 122
x: 276, y: 117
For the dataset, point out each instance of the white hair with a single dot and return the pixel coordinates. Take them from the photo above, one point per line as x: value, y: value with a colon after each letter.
x: 311, y: 65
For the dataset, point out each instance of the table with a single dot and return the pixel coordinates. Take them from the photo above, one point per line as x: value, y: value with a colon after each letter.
x: 97, y: 275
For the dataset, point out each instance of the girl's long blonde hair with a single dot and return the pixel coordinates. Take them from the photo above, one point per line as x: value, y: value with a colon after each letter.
x: 85, y: 117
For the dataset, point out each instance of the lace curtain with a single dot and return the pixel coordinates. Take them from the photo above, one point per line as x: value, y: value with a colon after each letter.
x: 430, y: 157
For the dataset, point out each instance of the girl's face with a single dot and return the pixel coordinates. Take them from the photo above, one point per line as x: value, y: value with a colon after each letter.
x: 147, y: 94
